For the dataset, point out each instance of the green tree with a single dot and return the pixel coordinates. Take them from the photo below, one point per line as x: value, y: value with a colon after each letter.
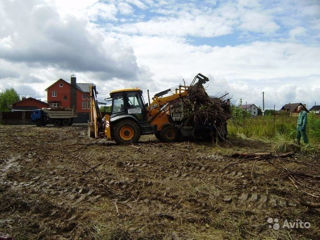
x: 7, y: 98
x: 105, y: 109
x: 239, y: 115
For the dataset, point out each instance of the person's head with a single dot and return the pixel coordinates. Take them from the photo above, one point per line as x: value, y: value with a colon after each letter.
x: 300, y: 108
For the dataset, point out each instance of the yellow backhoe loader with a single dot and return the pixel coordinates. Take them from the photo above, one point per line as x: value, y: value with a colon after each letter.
x: 130, y: 117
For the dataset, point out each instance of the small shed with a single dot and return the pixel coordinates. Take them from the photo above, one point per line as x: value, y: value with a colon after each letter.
x: 28, y: 104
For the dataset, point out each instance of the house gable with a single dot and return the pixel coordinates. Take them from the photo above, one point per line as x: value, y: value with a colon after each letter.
x: 63, y: 94
x: 59, y: 81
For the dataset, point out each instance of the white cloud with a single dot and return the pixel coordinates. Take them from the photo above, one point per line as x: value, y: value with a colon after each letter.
x: 297, y: 32
x: 184, y: 25
x: 76, y: 8
x: 244, y: 71
x: 258, y: 22
x: 137, y: 3
x: 41, y: 38
x: 248, y: 3
x: 125, y: 8
x: 155, y: 44
x: 104, y: 11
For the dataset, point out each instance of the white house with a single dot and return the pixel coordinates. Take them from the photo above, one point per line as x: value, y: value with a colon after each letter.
x: 251, y: 108
x: 315, y: 109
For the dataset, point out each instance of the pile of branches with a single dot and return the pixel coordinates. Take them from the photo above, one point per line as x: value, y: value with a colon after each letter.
x: 208, y: 115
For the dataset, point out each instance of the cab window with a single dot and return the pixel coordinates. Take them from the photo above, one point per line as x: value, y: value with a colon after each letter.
x: 134, y: 101
x: 118, y: 104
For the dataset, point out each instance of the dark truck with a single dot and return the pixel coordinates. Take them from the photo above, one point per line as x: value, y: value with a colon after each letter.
x: 58, y: 117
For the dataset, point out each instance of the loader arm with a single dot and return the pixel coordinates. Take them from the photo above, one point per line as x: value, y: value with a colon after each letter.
x: 95, y: 114
x: 180, y: 92
x: 158, y: 109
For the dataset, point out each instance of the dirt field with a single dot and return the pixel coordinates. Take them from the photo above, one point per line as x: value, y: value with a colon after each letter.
x: 58, y: 184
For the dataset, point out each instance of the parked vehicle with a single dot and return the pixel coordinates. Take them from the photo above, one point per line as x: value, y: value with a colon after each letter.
x: 56, y: 116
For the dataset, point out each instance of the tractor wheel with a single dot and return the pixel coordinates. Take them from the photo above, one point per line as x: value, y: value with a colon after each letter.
x: 58, y: 123
x: 41, y: 123
x: 157, y: 134
x: 126, y: 132
x: 70, y: 122
x: 168, y: 134
x: 66, y: 122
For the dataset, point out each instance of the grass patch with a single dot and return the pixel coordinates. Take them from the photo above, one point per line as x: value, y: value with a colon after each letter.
x: 277, y: 129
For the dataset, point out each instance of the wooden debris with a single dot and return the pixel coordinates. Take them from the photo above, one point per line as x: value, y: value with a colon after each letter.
x: 262, y: 155
x: 207, y: 115
x: 310, y: 204
x: 251, y: 155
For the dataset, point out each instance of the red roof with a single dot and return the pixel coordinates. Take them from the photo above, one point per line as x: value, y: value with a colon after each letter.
x: 83, y: 87
x: 29, y: 104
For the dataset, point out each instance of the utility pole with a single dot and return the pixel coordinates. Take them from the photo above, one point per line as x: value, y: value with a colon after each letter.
x: 262, y: 103
x: 148, y: 96
x: 274, y: 119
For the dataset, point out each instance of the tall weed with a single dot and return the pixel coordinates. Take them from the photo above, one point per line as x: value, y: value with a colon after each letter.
x: 271, y: 127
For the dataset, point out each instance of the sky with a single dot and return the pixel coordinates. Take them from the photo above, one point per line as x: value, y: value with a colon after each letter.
x: 245, y: 47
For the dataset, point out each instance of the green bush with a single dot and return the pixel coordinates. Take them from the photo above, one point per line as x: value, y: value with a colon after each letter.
x: 7, y: 98
x: 314, y: 126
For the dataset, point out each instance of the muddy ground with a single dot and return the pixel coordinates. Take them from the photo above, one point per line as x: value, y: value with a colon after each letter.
x: 58, y: 184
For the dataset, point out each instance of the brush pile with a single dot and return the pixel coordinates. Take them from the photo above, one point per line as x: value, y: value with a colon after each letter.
x: 208, y: 115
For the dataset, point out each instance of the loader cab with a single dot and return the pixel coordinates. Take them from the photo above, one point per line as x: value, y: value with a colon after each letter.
x: 128, y: 102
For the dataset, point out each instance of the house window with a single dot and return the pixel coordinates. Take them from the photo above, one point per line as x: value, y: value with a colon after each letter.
x: 61, y: 85
x: 84, y: 96
x: 65, y: 97
x: 54, y: 93
x: 85, y: 105
x: 54, y: 105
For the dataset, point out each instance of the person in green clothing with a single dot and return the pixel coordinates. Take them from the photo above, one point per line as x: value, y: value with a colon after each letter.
x: 302, y: 125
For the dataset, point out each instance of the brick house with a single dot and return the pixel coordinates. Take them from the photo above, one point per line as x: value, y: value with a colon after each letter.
x: 28, y: 104
x: 69, y: 95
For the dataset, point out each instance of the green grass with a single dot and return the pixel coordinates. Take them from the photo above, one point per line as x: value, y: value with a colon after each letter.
x: 278, y: 128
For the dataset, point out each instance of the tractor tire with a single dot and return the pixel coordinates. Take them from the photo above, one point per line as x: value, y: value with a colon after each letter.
x: 157, y: 134
x: 126, y: 132
x: 58, y: 123
x: 169, y: 134
x: 70, y: 122
x: 41, y: 123
x: 66, y: 122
